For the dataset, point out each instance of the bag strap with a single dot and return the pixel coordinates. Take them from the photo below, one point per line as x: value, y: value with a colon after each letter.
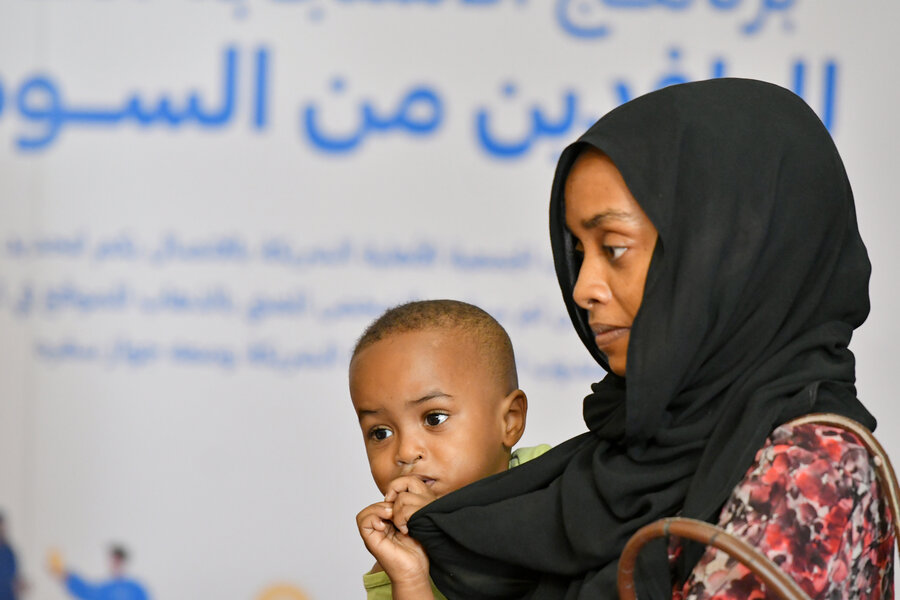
x: 779, y: 583
x: 887, y: 477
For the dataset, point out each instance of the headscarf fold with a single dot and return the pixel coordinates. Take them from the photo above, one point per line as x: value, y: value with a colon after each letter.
x: 757, y: 281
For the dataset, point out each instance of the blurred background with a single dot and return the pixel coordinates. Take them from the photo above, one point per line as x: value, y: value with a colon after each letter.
x: 204, y: 202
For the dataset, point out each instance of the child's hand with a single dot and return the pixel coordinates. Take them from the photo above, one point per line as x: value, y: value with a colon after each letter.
x: 402, y: 557
x: 408, y: 494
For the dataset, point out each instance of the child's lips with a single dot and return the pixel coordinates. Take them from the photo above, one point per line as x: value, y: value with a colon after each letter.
x: 429, y: 481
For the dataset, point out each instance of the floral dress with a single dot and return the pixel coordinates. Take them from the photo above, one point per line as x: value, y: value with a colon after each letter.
x: 811, y: 503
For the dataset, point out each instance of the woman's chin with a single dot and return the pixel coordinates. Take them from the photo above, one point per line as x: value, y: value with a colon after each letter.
x: 616, y: 363
x: 615, y: 358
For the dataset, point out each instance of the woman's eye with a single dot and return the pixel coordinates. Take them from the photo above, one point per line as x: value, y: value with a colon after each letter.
x: 435, y: 419
x: 615, y: 252
x: 379, y: 434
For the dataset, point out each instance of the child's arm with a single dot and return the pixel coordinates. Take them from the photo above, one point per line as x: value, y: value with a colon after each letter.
x: 399, y: 555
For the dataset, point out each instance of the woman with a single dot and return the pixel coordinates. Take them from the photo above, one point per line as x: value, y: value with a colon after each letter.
x: 706, y: 245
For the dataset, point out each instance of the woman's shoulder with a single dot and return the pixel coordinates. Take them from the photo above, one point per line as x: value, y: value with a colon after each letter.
x: 805, y: 471
x: 811, y: 451
x: 811, y: 503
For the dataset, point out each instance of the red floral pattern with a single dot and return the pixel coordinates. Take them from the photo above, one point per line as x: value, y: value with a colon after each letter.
x: 811, y: 503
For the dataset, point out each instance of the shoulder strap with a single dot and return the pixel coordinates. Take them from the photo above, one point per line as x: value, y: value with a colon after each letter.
x: 777, y: 582
x: 883, y: 468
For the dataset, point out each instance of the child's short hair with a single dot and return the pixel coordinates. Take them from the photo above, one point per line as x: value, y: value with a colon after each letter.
x: 422, y: 315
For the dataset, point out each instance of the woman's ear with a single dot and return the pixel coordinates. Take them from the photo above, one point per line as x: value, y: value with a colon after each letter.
x: 514, y: 409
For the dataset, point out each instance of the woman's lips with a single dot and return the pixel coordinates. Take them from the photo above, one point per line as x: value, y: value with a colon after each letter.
x: 604, y: 335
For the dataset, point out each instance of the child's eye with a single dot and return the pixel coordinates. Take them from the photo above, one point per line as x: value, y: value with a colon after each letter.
x: 614, y: 252
x: 435, y: 419
x: 379, y: 434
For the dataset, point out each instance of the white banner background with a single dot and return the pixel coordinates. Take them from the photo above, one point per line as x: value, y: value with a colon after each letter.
x: 180, y: 287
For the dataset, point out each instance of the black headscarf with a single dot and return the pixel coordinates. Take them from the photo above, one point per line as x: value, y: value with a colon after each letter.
x: 757, y: 281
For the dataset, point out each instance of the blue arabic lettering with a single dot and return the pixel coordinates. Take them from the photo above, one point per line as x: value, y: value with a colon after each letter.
x: 353, y: 309
x: 530, y: 315
x: 718, y: 69
x: 260, y: 92
x: 315, y: 13
x: 579, y: 18
x: 797, y: 84
x: 67, y: 350
x: 71, y: 247
x: 16, y: 248
x: 829, y: 89
x: 407, y: 2
x: 264, y: 354
x: 421, y: 255
x: 673, y: 76
x: 48, y: 109
x: 118, y: 248
x: 44, y: 247
x: 765, y: 7
x: 588, y: 27
x: 830, y: 93
x: 135, y: 354
x: 480, y: 260
x: 228, y: 248
x: 240, y: 8
x: 279, y: 251
x: 564, y: 371
x: 193, y: 354
x: 541, y: 316
x: 673, y: 4
x: 540, y: 126
x: 420, y: 112
x: 263, y: 307
x: 68, y: 296
x: 173, y: 300
x: 25, y: 303
x: 40, y: 101
x: 582, y: 18
x: 498, y: 312
x: 562, y: 324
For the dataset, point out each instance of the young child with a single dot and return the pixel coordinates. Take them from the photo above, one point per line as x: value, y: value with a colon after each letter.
x: 435, y: 388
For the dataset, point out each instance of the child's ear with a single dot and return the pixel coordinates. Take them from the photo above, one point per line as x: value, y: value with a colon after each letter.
x: 514, y: 410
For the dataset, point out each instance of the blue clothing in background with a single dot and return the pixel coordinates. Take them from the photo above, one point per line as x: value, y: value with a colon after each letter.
x: 8, y: 573
x: 115, y: 589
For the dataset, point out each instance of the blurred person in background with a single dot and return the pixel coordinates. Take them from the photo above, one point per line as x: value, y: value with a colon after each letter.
x: 11, y: 584
x: 119, y: 586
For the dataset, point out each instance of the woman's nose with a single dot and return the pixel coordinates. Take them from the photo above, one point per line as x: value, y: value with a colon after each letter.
x: 591, y: 287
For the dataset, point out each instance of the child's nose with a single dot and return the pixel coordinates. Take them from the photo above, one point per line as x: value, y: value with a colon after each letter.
x: 409, y: 451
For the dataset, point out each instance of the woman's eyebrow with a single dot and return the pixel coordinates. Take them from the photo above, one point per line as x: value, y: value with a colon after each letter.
x: 607, y: 215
